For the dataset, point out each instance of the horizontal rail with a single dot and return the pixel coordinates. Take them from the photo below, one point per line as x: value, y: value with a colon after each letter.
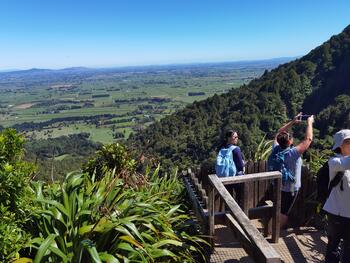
x: 263, y: 251
x: 264, y: 211
x: 249, y: 177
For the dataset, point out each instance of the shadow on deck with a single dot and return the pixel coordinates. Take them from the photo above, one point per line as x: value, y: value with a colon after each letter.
x: 298, y: 245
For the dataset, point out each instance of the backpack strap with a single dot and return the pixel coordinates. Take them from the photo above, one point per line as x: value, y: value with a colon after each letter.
x: 336, y: 180
x: 284, y: 151
x: 227, y: 150
x: 232, y: 147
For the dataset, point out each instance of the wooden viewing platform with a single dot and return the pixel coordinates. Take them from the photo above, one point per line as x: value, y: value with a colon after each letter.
x: 243, y: 232
x: 301, y: 245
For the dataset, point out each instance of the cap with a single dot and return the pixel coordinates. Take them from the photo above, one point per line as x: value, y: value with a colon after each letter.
x: 339, y: 138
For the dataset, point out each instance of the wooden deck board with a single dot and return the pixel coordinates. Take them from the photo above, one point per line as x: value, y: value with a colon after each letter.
x: 295, y: 245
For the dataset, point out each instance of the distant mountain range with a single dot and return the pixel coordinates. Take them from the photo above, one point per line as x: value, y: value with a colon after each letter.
x: 318, y: 83
x: 38, y: 71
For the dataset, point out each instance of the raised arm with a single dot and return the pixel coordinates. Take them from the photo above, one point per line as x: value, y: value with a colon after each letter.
x: 305, y: 144
x: 288, y: 125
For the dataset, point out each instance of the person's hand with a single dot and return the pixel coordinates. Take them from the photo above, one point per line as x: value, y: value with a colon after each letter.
x: 311, y: 119
x: 296, y: 119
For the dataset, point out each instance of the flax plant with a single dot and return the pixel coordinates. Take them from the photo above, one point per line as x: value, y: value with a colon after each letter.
x: 88, y: 220
x: 263, y: 150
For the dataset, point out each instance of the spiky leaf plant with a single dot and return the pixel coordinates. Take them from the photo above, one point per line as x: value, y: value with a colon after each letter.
x: 263, y: 150
x: 88, y: 220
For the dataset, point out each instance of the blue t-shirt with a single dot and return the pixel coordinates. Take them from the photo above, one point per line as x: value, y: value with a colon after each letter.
x: 293, y: 162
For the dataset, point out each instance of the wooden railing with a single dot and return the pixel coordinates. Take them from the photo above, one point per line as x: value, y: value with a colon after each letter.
x: 254, y: 199
x: 255, y: 194
x: 250, y: 238
x: 252, y: 194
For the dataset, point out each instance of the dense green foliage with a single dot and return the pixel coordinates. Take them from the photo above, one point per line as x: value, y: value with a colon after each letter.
x: 56, y: 157
x: 311, y: 84
x: 74, y: 144
x: 84, y: 220
x: 101, y: 216
x: 112, y: 157
x: 15, y: 194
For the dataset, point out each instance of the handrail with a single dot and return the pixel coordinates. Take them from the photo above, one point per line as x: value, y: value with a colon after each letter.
x: 250, y: 178
x: 262, y: 250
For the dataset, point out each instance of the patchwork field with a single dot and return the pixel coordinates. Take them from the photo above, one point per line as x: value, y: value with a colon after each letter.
x: 111, y: 103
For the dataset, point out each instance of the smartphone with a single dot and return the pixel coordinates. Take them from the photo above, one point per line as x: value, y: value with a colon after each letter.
x: 303, y: 117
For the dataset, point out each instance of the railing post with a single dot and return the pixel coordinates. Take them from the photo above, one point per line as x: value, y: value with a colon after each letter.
x: 277, y: 184
x: 211, y: 211
x: 246, y: 232
x: 246, y: 197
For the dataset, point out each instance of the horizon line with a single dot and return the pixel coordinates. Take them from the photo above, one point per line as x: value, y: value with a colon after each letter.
x: 8, y: 70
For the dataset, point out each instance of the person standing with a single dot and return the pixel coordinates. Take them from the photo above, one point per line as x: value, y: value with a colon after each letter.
x: 289, y: 163
x: 337, y: 205
x: 229, y: 162
x: 231, y: 139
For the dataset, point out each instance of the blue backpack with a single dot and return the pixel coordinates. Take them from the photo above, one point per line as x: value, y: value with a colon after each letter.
x: 225, y: 166
x: 276, y: 163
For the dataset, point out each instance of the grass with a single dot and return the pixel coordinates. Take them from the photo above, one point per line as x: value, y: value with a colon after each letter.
x: 101, y: 134
x: 129, y: 85
x: 61, y: 157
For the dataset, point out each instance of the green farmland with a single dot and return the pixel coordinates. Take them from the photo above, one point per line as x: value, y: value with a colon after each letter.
x: 111, y: 103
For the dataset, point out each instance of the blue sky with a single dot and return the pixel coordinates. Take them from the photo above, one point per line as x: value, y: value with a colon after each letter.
x: 101, y: 33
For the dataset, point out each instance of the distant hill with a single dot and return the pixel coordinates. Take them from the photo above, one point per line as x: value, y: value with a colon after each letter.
x: 27, y: 71
x: 42, y: 72
x: 318, y: 83
x: 54, y: 74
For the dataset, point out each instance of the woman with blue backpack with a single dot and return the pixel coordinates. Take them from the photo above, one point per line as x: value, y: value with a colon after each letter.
x: 286, y: 158
x: 229, y: 161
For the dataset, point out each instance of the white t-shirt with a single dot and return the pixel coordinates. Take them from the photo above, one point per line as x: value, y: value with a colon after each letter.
x: 338, y: 202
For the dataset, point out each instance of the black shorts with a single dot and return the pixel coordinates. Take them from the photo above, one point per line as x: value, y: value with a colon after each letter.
x: 287, y: 201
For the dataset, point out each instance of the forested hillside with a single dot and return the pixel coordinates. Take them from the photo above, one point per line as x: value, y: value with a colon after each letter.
x: 56, y: 157
x: 317, y: 83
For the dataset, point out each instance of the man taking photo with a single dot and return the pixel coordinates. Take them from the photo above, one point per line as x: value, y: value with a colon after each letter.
x: 286, y: 158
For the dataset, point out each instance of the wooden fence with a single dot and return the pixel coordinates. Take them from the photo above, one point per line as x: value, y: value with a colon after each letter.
x: 214, y: 197
x: 254, y: 194
x: 250, y: 238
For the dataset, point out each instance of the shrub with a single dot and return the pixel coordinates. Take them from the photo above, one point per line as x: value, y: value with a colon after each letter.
x: 15, y: 194
x: 112, y: 157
